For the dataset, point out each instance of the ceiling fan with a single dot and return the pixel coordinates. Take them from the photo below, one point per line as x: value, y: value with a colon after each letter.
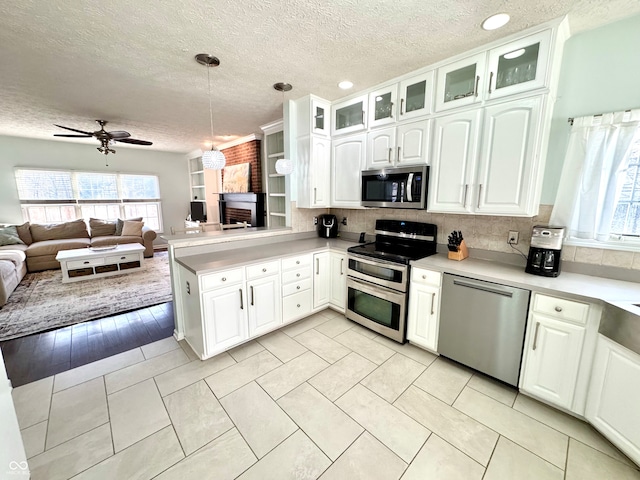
x: 105, y: 138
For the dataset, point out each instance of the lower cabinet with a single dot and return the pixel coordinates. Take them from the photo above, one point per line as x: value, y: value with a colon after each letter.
x: 297, y: 292
x: 263, y: 305
x: 612, y: 404
x: 338, y: 280
x: 424, y: 308
x: 225, y: 318
x: 321, y: 279
x: 558, y: 350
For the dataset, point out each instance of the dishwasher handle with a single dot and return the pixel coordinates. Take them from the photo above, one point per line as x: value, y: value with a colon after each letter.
x: 490, y: 288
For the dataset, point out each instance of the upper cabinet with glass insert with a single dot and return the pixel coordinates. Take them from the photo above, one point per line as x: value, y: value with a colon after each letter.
x: 415, y: 96
x: 518, y: 66
x: 383, y: 106
x: 460, y: 83
x: 312, y: 116
x: 349, y: 116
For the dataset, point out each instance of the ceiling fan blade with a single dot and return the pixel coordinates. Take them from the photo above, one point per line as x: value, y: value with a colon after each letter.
x: 133, y: 141
x: 75, y: 130
x: 74, y: 136
x: 116, y: 134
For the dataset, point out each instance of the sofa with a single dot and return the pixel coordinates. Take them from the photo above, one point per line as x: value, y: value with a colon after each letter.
x: 36, y: 246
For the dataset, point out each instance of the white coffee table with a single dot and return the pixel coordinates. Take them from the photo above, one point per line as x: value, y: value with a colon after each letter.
x: 93, y: 262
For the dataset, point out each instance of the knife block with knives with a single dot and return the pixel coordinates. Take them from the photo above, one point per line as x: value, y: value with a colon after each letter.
x: 457, y: 246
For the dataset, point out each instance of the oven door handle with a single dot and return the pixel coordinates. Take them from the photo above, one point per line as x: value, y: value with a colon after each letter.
x: 361, y: 258
x: 378, y: 290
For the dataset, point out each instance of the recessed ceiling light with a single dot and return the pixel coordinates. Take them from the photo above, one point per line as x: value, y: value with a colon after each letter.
x: 514, y: 54
x: 496, y: 21
x: 345, y: 85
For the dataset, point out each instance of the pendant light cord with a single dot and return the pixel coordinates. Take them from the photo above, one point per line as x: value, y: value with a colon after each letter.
x: 210, y: 107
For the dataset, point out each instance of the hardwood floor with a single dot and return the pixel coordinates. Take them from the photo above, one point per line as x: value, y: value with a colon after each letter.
x: 40, y: 355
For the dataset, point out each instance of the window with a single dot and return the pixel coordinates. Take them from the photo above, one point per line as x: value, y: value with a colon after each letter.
x: 51, y: 196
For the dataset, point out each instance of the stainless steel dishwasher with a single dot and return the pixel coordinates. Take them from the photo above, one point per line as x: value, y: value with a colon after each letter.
x: 482, y: 325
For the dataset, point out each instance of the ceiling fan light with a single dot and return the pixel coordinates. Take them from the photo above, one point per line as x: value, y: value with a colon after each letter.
x: 284, y: 166
x: 213, y: 159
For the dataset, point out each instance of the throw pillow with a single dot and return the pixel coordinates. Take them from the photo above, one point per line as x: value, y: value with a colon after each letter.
x: 59, y: 231
x: 102, y: 228
x: 133, y: 229
x: 24, y: 233
x: 120, y: 224
x: 9, y: 236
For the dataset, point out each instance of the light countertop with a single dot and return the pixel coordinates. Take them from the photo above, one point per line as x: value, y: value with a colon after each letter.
x: 209, y: 262
x: 210, y: 238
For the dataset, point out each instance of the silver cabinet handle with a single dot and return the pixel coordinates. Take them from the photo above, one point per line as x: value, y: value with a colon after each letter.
x: 477, y: 82
x: 264, y: 270
x: 341, y: 266
x: 224, y: 279
x: 390, y: 150
x: 479, y: 193
x: 188, y: 289
x: 317, y: 266
x: 424, y: 277
x: 363, y: 117
x: 298, y: 305
x: 558, y: 309
x: 251, y: 287
x: 490, y: 80
x: 298, y: 287
x: 402, y: 106
x: 464, y: 198
x: 535, y: 336
x: 297, y: 274
x: 433, y: 300
x: 241, y: 301
x: 391, y: 110
x: 398, y: 159
x: 86, y: 263
x: 315, y: 194
x: 122, y: 258
x: 297, y: 262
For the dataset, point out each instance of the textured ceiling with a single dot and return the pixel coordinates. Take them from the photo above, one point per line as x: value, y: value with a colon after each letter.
x: 131, y: 62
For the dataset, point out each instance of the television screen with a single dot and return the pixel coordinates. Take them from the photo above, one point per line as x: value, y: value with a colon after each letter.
x: 199, y: 211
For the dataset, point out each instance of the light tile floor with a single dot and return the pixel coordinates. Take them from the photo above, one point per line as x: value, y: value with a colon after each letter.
x: 322, y: 398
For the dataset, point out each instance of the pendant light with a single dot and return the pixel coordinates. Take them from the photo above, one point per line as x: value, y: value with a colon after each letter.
x: 211, y: 159
x: 284, y: 166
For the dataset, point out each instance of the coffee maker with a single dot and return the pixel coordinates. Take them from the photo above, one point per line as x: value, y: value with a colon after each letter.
x: 545, y: 250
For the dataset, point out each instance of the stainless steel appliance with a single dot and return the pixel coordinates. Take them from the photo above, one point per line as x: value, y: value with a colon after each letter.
x: 378, y: 275
x: 545, y: 251
x: 482, y: 325
x: 404, y: 187
x: 327, y: 226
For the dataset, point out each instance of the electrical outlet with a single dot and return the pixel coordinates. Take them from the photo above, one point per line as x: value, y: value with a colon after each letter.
x: 344, y: 220
x: 513, y: 237
x: 315, y: 220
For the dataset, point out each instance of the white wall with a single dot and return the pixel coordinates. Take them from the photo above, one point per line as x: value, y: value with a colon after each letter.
x: 171, y: 169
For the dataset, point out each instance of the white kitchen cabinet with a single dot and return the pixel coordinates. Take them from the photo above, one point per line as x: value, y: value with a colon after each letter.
x: 313, y: 170
x: 518, y: 66
x: 338, y: 280
x: 424, y: 308
x: 416, y: 96
x: 320, y: 113
x: 507, y: 176
x: 321, y: 279
x: 349, y: 116
x: 381, y: 146
x: 383, y: 106
x: 459, y: 83
x: 297, y: 291
x: 453, y: 161
x: 347, y: 162
x: 225, y: 319
x: 264, y: 305
x: 612, y: 404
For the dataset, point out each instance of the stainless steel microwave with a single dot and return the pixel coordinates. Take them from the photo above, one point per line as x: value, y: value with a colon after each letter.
x: 404, y: 187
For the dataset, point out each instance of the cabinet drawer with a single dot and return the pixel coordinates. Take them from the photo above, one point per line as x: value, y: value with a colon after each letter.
x: 220, y: 279
x: 262, y: 269
x: 296, y: 275
x: 296, y: 306
x: 426, y: 277
x: 561, y: 308
x: 296, y: 262
x: 88, y: 262
x: 295, y: 287
x: 128, y: 257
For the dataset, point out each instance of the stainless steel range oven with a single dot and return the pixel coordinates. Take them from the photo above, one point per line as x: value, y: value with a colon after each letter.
x: 370, y: 300
x: 378, y: 275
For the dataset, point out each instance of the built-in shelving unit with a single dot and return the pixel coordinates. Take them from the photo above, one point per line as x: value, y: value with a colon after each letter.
x: 276, y: 185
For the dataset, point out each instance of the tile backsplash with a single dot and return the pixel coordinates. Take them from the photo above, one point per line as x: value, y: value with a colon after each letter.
x: 480, y: 231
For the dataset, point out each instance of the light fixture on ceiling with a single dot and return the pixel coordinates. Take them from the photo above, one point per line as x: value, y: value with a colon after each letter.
x: 514, y: 54
x: 345, y: 85
x: 496, y: 21
x: 283, y: 166
x: 211, y: 159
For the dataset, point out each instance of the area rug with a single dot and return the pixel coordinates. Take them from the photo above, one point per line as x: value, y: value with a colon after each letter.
x: 42, y: 302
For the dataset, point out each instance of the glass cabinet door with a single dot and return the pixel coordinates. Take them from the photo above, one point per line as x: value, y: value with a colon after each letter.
x: 415, y: 96
x: 518, y: 66
x: 319, y: 117
x: 459, y: 83
x: 349, y: 116
x: 382, y: 106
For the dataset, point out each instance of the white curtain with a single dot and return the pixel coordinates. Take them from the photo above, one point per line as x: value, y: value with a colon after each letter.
x: 593, y: 172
